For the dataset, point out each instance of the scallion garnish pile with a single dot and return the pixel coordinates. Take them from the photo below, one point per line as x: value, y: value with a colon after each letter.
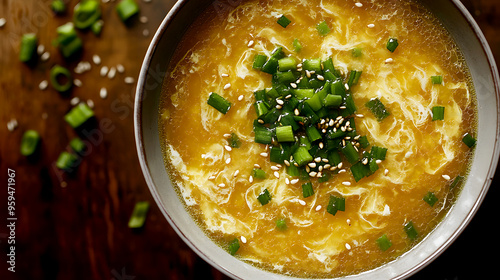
x: 308, y: 119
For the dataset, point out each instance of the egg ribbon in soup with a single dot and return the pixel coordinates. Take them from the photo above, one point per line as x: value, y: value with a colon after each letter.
x: 242, y: 76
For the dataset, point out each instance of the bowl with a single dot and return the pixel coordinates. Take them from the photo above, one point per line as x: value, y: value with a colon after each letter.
x: 479, y: 58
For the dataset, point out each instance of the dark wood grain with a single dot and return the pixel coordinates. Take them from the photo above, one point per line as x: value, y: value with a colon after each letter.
x: 74, y: 226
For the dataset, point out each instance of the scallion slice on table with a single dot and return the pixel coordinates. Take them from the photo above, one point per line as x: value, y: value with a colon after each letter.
x: 96, y: 27
x: 60, y: 78
x: 29, y: 142
x: 58, y: 6
x: 138, y: 216
x: 384, y: 243
x: 86, y: 13
x: 79, y: 115
x: 437, y: 113
x: 323, y: 28
x: 29, y: 44
x: 77, y: 145
x: 68, y: 41
x: 378, y: 109
x: 126, y: 9
x: 234, y: 246
x: 66, y: 161
x: 284, y: 21
x: 219, y: 103
x: 392, y: 44
x: 264, y: 197
x: 307, y: 189
x: 469, y: 140
x: 281, y: 224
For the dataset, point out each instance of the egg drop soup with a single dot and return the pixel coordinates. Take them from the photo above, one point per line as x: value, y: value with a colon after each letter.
x: 317, y: 138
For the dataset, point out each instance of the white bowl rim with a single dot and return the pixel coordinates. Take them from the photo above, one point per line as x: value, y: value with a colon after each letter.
x: 138, y: 130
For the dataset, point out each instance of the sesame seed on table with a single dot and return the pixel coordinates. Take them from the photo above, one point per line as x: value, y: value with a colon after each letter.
x: 75, y: 227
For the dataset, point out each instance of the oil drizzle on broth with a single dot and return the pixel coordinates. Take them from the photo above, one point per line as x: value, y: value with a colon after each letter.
x: 420, y: 152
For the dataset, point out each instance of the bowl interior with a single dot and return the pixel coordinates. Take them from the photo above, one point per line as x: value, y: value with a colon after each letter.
x: 485, y: 78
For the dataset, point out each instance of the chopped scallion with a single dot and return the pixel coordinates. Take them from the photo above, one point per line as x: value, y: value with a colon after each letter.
x: 285, y: 134
x: 258, y: 173
x: 77, y: 145
x: 356, y: 52
x: 281, y: 224
x: 469, y: 140
x: 284, y: 21
x: 264, y: 197
x: 437, y: 113
x: 234, y: 141
x: 219, y: 103
x: 29, y: 44
x: 287, y: 63
x: 126, y: 9
x: 79, y: 115
x: 392, y: 44
x: 138, y: 216
x: 383, y: 242
x: 60, y: 78
x: 323, y: 28
x: 58, y: 6
x: 86, y: 13
x: 350, y: 153
x: 302, y: 156
x: 437, y: 80
x: 259, y: 61
x: 410, y: 230
x: 66, y: 161
x: 378, y: 109
x: 430, y: 198
x: 234, y: 246
x: 335, y: 204
x: 307, y: 189
x: 29, y: 142
x: 297, y: 46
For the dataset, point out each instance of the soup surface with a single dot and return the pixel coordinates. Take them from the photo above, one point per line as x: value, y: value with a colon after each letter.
x: 423, y: 158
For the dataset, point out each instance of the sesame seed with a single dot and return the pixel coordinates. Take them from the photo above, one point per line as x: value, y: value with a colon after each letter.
x: 120, y: 68
x: 236, y: 173
x: 226, y: 86
x: 446, y: 177
x: 378, y: 161
x: 43, y: 85
x: 260, y: 121
x: 104, y: 71
x: 299, y: 65
x: 389, y: 60
x: 264, y: 154
x: 74, y: 101
x: 96, y: 59
x: 339, y: 165
x: 103, y: 93
x: 225, y: 75
x: 240, y: 97
x: 143, y: 19
x: 359, y: 115
x: 408, y: 154
x: 228, y: 148
x: 312, y: 164
x: 90, y: 102
x: 2, y: 22
x: 243, y: 239
x: 294, y: 85
x: 250, y: 179
x: 226, y: 135
x: 326, y: 166
x: 296, y: 112
x: 280, y: 102
x: 301, y: 202
x: 12, y: 124
x: 346, y: 183
x: 318, y: 207
x: 371, y: 25
x: 342, y: 107
x: 288, y: 96
x: 77, y: 82
x: 313, y: 174
x: 221, y: 185
x: 386, y: 171
x: 321, y: 78
x: 365, y: 161
x: 40, y: 49
x: 359, y: 5
x: 318, y: 159
x: 129, y: 80
x: 112, y: 72
x: 294, y: 181
x: 347, y: 246
x: 145, y: 32
x: 228, y: 160
x: 321, y: 145
x: 287, y: 163
x: 256, y: 165
x: 287, y: 181
x: 308, y: 73
x: 276, y: 174
x: 342, y: 170
x: 211, y: 177
x: 319, y: 175
x: 45, y: 56
x: 348, y: 221
x: 346, y: 86
x: 325, y: 160
x: 308, y: 169
x: 250, y: 43
x: 274, y: 168
x: 279, y: 107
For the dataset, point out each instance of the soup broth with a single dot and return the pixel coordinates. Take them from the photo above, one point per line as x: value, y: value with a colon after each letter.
x: 423, y: 156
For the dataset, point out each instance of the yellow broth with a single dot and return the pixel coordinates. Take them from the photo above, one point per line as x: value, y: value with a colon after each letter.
x: 216, y: 55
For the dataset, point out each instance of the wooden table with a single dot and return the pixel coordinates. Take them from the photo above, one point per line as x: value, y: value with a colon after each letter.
x: 74, y: 226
